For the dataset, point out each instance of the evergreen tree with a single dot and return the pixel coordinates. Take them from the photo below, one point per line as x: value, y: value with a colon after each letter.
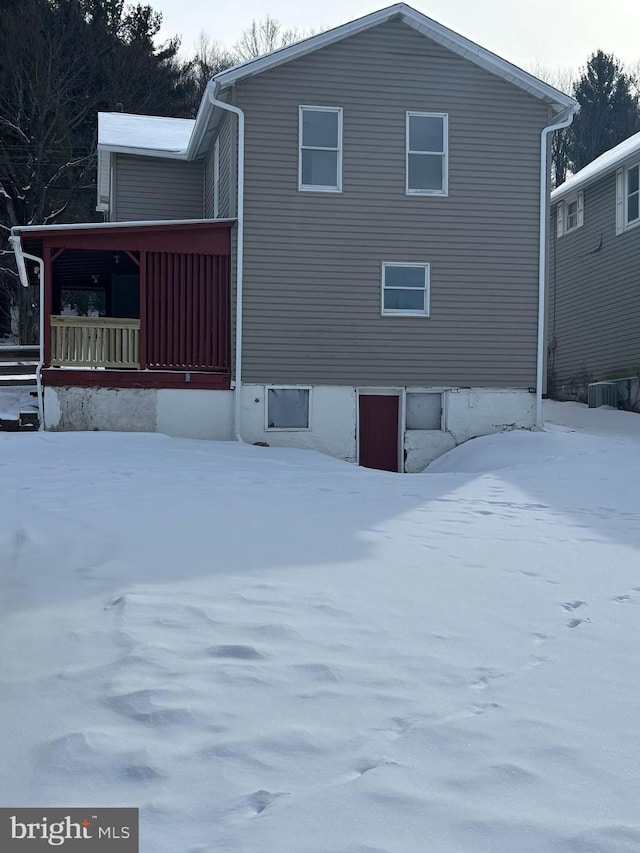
x: 609, y: 110
x: 62, y: 61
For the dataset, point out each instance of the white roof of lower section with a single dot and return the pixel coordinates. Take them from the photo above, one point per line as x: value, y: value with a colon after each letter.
x: 606, y: 162
x: 559, y: 102
x: 145, y: 134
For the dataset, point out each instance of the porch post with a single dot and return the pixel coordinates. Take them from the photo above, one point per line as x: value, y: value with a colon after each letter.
x: 143, y: 310
x: 48, y: 306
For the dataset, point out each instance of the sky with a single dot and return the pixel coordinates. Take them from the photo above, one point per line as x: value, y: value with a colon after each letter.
x: 545, y: 32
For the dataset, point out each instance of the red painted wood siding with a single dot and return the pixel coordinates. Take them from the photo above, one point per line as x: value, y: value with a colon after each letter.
x: 187, y: 311
x: 378, y: 431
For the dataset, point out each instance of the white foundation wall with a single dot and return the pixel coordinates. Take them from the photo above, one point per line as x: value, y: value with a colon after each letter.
x: 195, y: 413
x: 113, y: 409
x: 191, y: 413
x: 185, y: 413
x: 468, y: 413
x: 333, y: 421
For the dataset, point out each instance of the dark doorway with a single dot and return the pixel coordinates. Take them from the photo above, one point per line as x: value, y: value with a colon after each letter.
x: 378, y: 431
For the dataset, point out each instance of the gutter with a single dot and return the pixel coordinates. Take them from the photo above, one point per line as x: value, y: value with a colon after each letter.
x: 542, y: 256
x: 210, y: 94
x: 21, y: 256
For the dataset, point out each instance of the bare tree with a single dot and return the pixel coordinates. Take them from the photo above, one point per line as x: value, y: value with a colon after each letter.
x: 264, y: 35
x: 209, y: 59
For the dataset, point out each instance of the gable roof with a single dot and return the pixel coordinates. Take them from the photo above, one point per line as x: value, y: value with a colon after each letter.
x: 598, y: 168
x: 557, y: 100
x: 168, y: 140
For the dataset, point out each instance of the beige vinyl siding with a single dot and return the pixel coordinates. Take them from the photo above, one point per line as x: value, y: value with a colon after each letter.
x: 313, y: 260
x: 228, y: 143
x: 209, y: 172
x: 156, y: 188
x: 594, y: 293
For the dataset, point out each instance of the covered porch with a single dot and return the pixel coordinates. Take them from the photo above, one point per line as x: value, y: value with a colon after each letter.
x: 135, y: 304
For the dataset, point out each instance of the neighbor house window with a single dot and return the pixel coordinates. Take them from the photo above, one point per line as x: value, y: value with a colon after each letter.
x: 320, y: 139
x: 427, y: 153
x: 424, y: 411
x: 570, y: 214
x: 405, y: 289
x: 633, y: 195
x: 288, y: 408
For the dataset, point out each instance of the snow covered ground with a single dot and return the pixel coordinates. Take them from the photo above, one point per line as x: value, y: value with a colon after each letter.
x: 16, y: 399
x: 270, y: 651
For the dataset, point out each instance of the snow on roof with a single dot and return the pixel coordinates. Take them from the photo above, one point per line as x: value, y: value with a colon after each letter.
x: 153, y: 133
x: 600, y: 166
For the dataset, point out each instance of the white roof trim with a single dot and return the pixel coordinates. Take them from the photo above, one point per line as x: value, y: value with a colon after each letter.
x: 80, y: 226
x: 598, y: 168
x: 428, y: 27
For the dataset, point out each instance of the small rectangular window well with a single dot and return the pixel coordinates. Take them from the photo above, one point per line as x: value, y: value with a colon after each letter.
x: 288, y: 408
x: 424, y: 411
x: 405, y: 289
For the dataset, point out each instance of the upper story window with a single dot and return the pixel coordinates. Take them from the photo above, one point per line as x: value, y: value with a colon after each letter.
x: 570, y: 214
x: 427, y: 153
x: 320, y: 137
x: 405, y: 289
x: 633, y: 194
x: 627, y: 197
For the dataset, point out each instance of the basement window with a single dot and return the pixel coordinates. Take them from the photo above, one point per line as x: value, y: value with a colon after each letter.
x: 424, y: 411
x: 288, y: 408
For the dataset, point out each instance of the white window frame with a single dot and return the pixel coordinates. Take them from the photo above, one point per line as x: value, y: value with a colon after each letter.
x: 216, y: 178
x: 268, y: 388
x: 562, y: 214
x: 444, y: 154
x: 402, y: 312
x: 634, y: 222
x: 318, y: 188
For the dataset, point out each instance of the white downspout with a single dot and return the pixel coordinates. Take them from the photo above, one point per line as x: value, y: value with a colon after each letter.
x: 239, y: 259
x: 14, y: 239
x: 542, y: 258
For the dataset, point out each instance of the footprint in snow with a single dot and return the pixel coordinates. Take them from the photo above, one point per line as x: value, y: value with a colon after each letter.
x: 235, y: 652
x: 573, y: 623
x: 572, y: 605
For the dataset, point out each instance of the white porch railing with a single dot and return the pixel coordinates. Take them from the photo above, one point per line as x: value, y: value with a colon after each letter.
x: 95, y: 342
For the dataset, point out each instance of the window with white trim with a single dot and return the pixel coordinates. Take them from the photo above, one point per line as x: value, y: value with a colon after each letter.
x: 424, y: 410
x: 633, y: 195
x: 288, y: 408
x: 427, y: 153
x: 570, y: 214
x: 405, y: 289
x: 320, y: 144
x: 627, y: 198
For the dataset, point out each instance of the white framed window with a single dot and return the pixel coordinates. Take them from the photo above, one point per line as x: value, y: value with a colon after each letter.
x: 320, y: 149
x: 405, y: 289
x: 427, y: 152
x: 288, y: 407
x: 627, y: 198
x: 423, y: 410
x: 216, y: 178
x: 570, y: 214
x: 632, y: 195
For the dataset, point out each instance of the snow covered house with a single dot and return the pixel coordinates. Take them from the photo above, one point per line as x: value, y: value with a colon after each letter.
x: 594, y: 282
x: 343, y: 251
